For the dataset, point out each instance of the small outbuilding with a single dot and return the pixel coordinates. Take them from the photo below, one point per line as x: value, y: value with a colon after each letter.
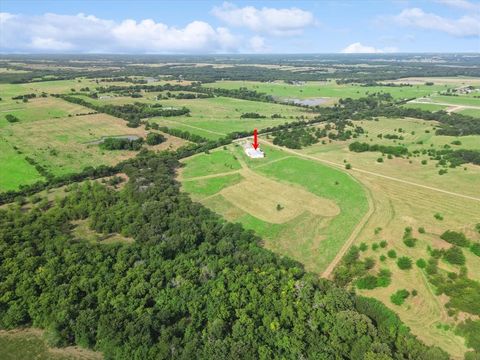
x: 253, y: 153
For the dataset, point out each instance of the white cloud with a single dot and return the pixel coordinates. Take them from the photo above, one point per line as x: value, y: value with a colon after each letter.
x: 462, y: 4
x: 279, y: 22
x: 257, y: 44
x: 358, y: 48
x: 86, y: 33
x: 466, y: 26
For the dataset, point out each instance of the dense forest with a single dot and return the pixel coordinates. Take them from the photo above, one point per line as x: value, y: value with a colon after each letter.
x: 190, y: 286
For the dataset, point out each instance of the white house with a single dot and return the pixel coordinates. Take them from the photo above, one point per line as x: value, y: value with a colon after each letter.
x: 253, y: 153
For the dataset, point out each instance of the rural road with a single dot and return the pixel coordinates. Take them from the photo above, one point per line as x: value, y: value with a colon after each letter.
x: 445, y: 104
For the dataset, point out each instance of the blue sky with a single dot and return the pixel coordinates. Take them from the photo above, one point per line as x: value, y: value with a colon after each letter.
x: 239, y: 26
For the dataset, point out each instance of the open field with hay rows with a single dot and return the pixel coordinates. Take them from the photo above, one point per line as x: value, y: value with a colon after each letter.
x: 306, y: 217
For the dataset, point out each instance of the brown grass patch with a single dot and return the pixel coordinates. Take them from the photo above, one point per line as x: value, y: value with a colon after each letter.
x: 259, y: 196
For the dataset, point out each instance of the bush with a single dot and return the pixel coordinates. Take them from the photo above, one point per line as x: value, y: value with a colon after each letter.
x: 383, y: 244
x: 455, y: 238
x: 383, y: 258
x: 421, y: 263
x: 421, y: 230
x: 398, y: 298
x: 348, y: 166
x: 392, y: 254
x: 363, y: 247
x: 475, y: 248
x: 404, y: 263
x: 375, y: 246
x: 438, y: 216
x: 154, y: 138
x: 410, y: 242
x: 455, y: 256
x: 11, y: 118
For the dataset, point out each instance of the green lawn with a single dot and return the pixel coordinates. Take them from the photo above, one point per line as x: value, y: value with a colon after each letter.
x: 327, y: 89
x: 215, y: 117
x: 207, y: 187
x: 14, y: 169
x: 456, y: 100
x: 428, y: 107
x: 216, y: 162
x: 311, y: 239
x: 470, y: 112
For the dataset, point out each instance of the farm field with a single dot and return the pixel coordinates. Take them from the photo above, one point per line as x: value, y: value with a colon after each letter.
x: 425, y: 106
x: 14, y: 169
x: 456, y: 100
x: 214, y: 118
x: 64, y: 145
x: 306, y: 219
x: 463, y: 179
x: 398, y: 205
x: 470, y: 112
x: 29, y: 344
x: 328, y: 89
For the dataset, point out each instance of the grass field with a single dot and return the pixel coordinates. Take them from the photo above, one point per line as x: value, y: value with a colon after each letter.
x: 398, y: 205
x: 29, y: 344
x: 427, y: 107
x: 327, y: 89
x: 306, y: 217
x: 62, y: 146
x: 456, y: 100
x: 215, y: 117
x: 471, y: 112
x: 14, y: 169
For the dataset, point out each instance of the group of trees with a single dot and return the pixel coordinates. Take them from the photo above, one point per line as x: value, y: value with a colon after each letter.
x: 191, y: 286
x: 385, y: 149
x: 133, y: 113
x: 119, y: 143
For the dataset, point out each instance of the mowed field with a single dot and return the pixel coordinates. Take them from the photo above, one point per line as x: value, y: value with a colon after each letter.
x: 56, y: 134
x: 406, y: 193
x: 464, y: 179
x: 307, y: 217
x: 30, y: 344
x: 214, y: 118
x: 328, y: 89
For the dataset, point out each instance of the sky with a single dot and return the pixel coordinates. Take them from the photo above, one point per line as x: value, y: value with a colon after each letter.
x: 217, y: 27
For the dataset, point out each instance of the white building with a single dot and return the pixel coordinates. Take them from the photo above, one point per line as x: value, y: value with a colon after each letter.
x: 253, y: 153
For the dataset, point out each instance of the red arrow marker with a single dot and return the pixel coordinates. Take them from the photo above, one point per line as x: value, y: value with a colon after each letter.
x: 255, y: 139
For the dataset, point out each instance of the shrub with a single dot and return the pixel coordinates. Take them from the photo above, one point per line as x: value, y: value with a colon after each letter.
x: 421, y: 230
x: 455, y: 238
x: 455, y: 256
x: 475, y: 248
x: 154, y: 138
x: 421, y: 263
x: 404, y: 263
x: 380, y: 160
x: 11, y: 118
x: 392, y: 254
x: 363, y: 247
x: 383, y: 244
x: 398, y: 298
x: 375, y: 246
x: 348, y: 166
x: 438, y: 216
x: 410, y: 242
x: 383, y: 258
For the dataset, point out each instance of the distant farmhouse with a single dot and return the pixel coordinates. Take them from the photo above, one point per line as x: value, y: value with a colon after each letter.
x: 251, y: 152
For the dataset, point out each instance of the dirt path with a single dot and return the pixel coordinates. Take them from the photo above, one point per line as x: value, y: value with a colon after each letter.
x: 211, y: 176
x: 372, y: 173
x: 461, y: 106
x: 196, y: 127
x: 353, y: 236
